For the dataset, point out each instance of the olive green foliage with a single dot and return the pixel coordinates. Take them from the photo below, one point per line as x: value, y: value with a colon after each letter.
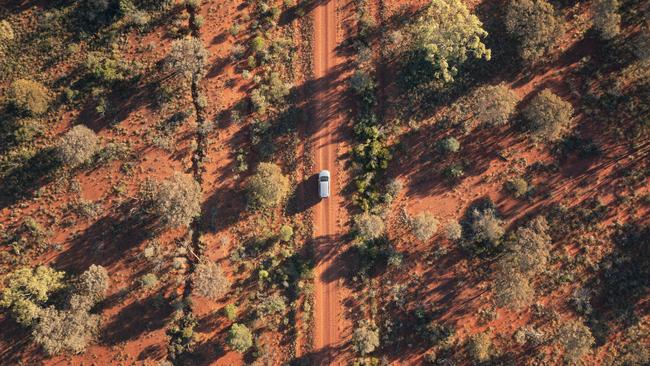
x: 448, y: 34
x: 492, y: 105
x: 258, y: 44
x: 268, y: 187
x: 369, y: 226
x: 365, y: 337
x: 549, y: 116
x: 286, y: 233
x: 187, y: 57
x: 479, y: 346
x: 271, y: 306
x: 148, y: 280
x: 29, y: 97
x: 89, y: 288
x: 6, y: 32
x: 77, y: 146
x: 175, y: 201
x: 210, y: 280
x: 449, y: 145
x: 68, y: 331
x: 271, y: 92
x: 107, y: 69
x: 181, y: 335
x: 576, y: 339
x: 239, y: 338
x: 535, y: 26
x: 518, y: 187
x: 230, y: 311
x: 424, y: 226
x: 607, y: 20
x: 27, y: 290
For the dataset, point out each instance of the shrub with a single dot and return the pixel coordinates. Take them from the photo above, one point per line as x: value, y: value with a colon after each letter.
x: 258, y: 44
x: 393, y: 189
x: 491, y: 104
x: 148, y: 280
x: 576, y: 339
x: 365, y: 337
x: 175, y: 201
x: 449, y: 145
x: 535, y: 26
x: 424, y: 226
x: 369, y: 226
x: 530, y: 251
x: 187, y: 57
x: 27, y: 290
x: 107, y: 69
x: 479, y: 347
x: 268, y: 187
x: 89, y: 288
x: 518, y: 187
x: 230, y: 311
x: 29, y: 97
x: 77, y: 146
x: 362, y: 83
x: 6, y: 31
x: 511, y: 287
x: 239, y: 338
x: 448, y: 35
x: 271, y: 306
x: 607, y: 20
x: 486, y: 226
x: 453, y: 230
x: 181, y: 334
x: 210, y: 281
x: 548, y: 115
x: 454, y: 172
x: 286, y: 233
x: 61, y: 331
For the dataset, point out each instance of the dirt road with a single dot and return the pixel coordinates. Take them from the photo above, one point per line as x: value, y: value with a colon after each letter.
x: 328, y: 121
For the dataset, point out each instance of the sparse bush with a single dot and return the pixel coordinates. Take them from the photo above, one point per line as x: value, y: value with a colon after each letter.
x: 268, y: 187
x: 89, y: 288
x: 448, y: 35
x: 576, y: 339
x: 493, y: 105
x: 60, y: 331
x: 453, y: 230
x: 365, y: 337
x: 549, y: 116
x: 210, y: 281
x: 534, y: 24
x: 188, y: 57
x: 174, y: 202
x: 369, y: 226
x: 449, y: 145
x: 6, y: 31
x: 29, y: 97
x: 518, y: 187
x: 77, y: 146
x: 239, y: 338
x: 424, y: 226
x: 27, y: 290
x: 607, y: 20
x: 480, y: 346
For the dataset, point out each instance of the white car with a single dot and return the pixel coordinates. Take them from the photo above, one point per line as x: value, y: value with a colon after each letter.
x: 324, y: 183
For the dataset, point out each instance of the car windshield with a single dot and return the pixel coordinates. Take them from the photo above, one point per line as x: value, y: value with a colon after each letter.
x: 323, y: 179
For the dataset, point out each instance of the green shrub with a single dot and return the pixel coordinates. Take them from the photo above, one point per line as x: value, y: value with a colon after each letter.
x: 454, y: 171
x: 210, y: 281
x: 107, y: 69
x: 29, y: 97
x: 548, y: 115
x: 424, y: 226
x: 68, y: 331
x: 240, y: 338
x: 181, y: 334
x: 77, y: 146
x: 230, y: 311
x: 149, y: 280
x: 535, y: 26
x: 365, y: 337
x: 449, y: 145
x: 607, y: 20
x: 268, y: 187
x: 258, y: 44
x: 448, y: 35
x: 175, y: 201
x: 518, y: 187
x: 369, y: 226
x: 493, y: 105
x: 486, y: 226
x: 286, y: 233
x: 27, y: 290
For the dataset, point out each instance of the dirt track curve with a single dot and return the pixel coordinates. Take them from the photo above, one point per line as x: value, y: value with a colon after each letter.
x: 328, y: 120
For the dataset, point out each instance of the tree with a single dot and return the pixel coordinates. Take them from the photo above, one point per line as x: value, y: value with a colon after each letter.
x: 268, y: 187
x: 210, y: 281
x: 479, y: 346
x: 175, y: 201
x: 424, y: 226
x: 89, y: 288
x: 181, y: 334
x: 448, y: 35
x: 511, y: 287
x: 187, y: 57
x: 28, y: 289
x: 239, y: 338
x: 607, y: 20
x: 549, y: 116
x: 29, y: 97
x: 77, y: 146
x: 576, y: 339
x: 61, y: 331
x: 530, y: 251
x: 490, y: 104
x: 535, y: 26
x: 365, y: 337
x: 369, y: 226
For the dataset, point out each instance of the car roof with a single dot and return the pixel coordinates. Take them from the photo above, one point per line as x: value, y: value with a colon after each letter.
x: 323, y: 172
